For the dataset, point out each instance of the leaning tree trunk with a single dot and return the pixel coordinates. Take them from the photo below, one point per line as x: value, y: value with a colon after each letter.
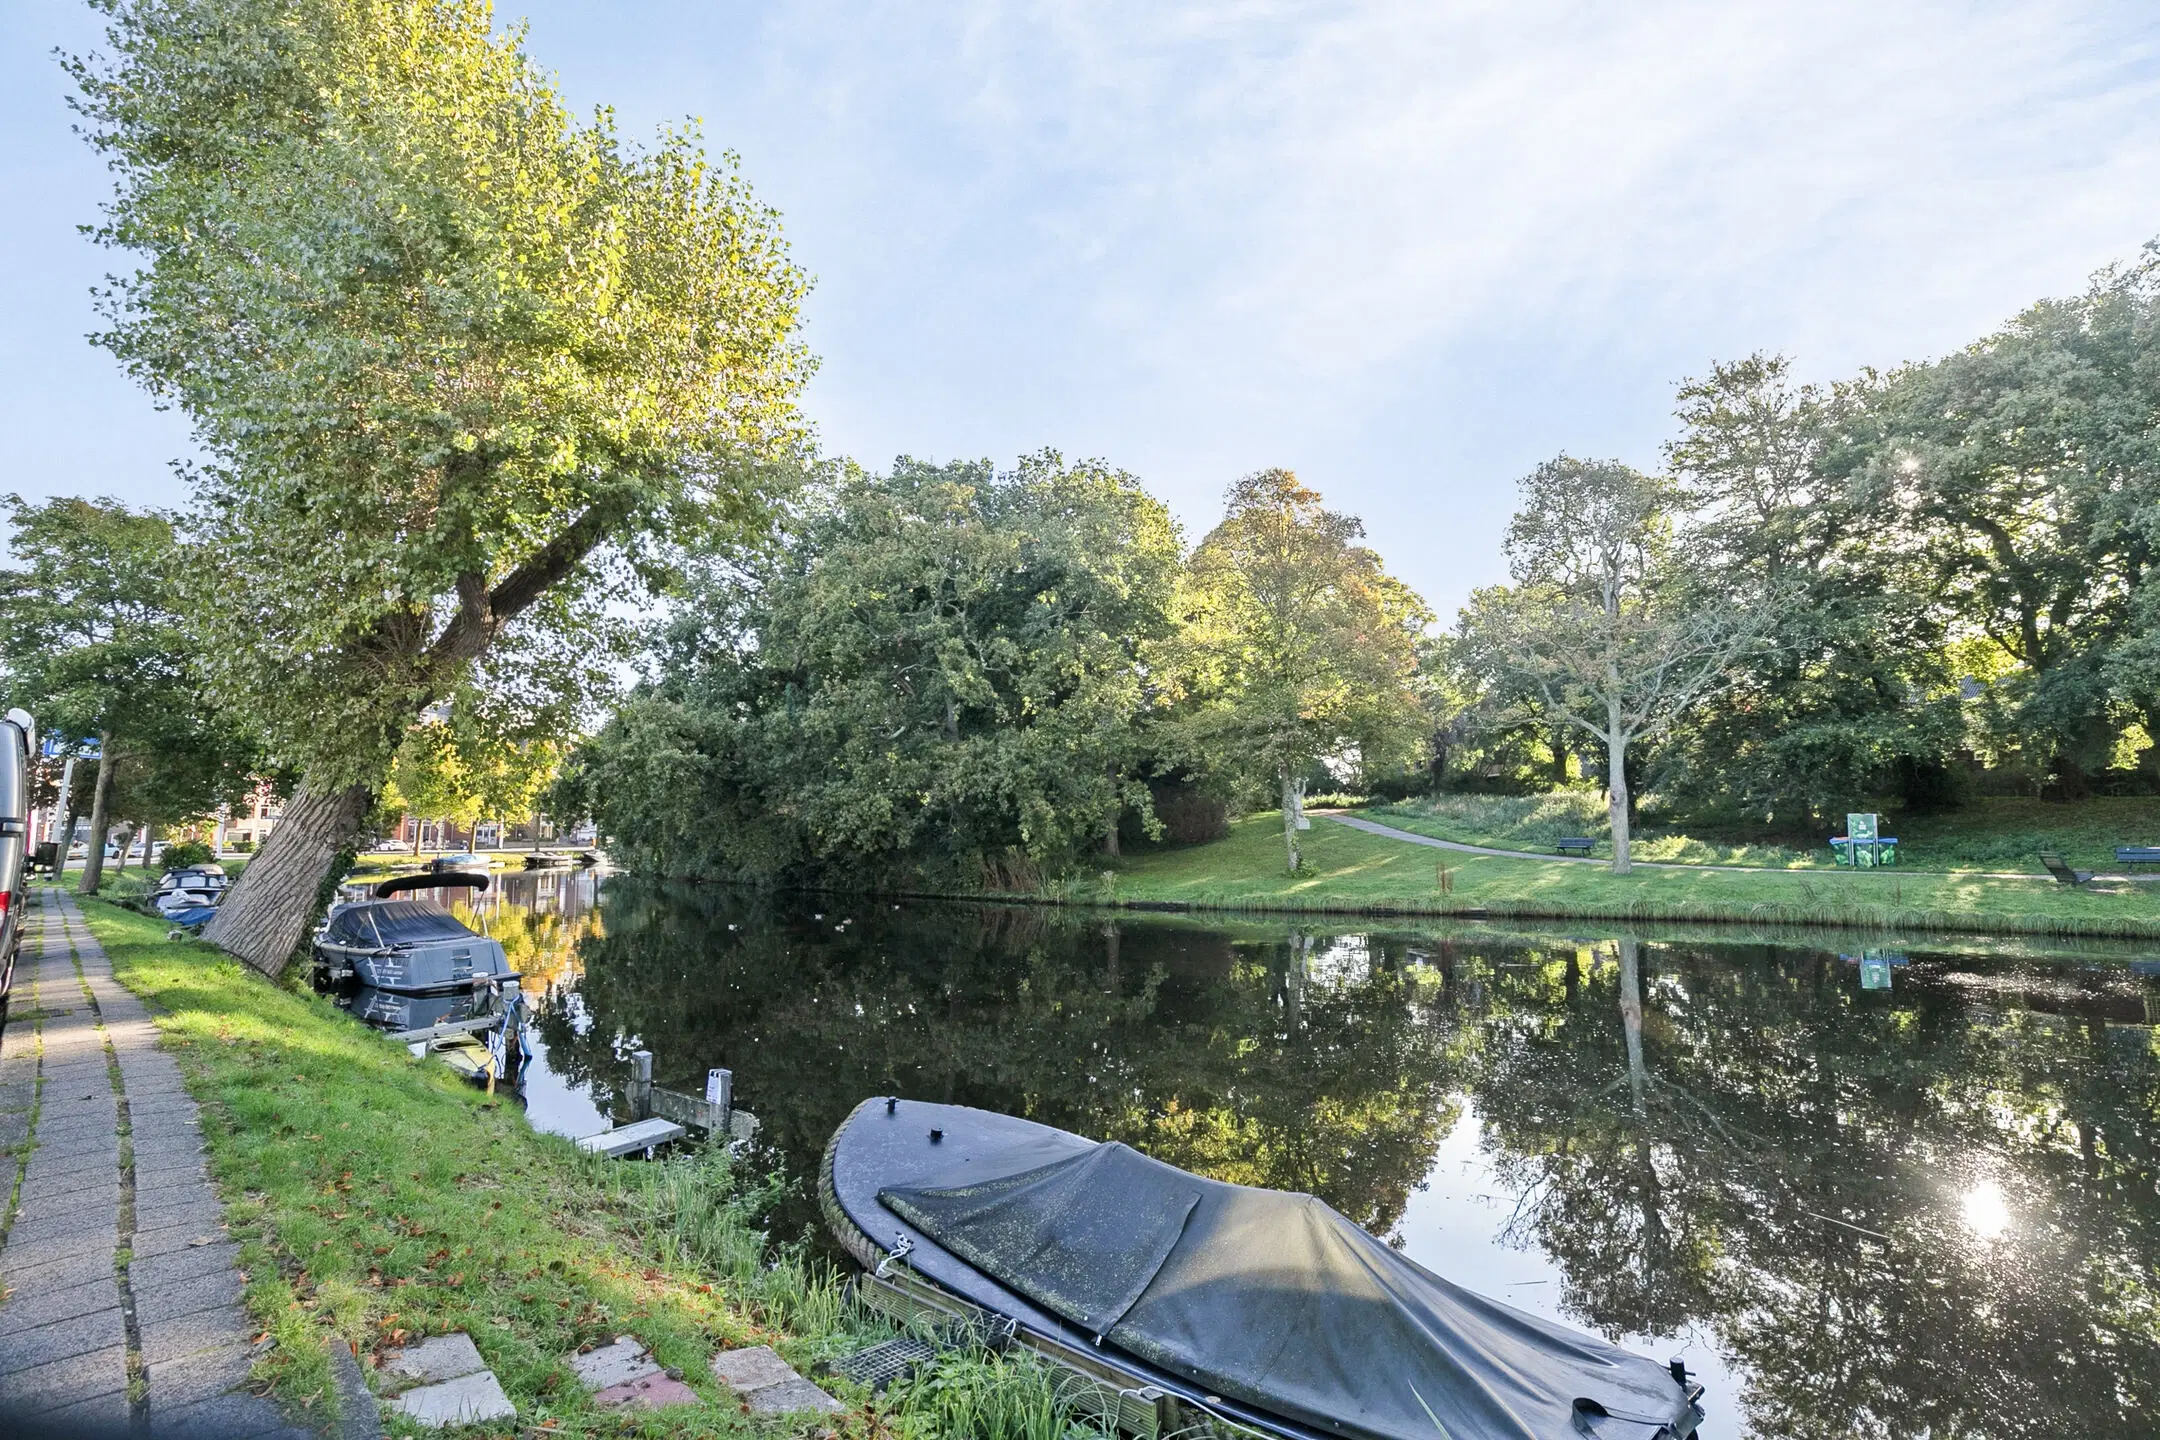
x: 93, y: 874
x: 1616, y: 791
x: 269, y: 907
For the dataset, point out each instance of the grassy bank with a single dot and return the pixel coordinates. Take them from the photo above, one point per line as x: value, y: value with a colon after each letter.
x: 379, y: 1200
x: 1987, y: 834
x: 1349, y: 871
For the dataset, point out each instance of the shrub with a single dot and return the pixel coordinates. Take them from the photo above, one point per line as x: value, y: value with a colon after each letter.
x: 186, y: 853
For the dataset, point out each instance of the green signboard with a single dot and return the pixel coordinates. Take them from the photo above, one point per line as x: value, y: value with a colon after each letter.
x: 1862, y: 827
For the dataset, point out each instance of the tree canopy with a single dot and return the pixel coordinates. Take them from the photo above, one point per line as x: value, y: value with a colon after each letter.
x: 941, y: 667
x: 463, y: 367
x: 1294, y: 645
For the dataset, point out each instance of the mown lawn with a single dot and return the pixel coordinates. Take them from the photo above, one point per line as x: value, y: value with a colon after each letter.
x: 1349, y: 870
x: 1988, y: 834
x: 379, y: 1200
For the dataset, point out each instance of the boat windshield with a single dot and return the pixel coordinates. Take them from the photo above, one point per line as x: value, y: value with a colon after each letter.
x: 408, y: 922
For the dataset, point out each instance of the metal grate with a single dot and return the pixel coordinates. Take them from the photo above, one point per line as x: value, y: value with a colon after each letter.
x: 885, y: 1362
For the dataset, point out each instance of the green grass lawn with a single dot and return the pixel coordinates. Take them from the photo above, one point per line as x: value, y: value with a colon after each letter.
x: 380, y: 1200
x: 1347, y: 870
x: 1988, y: 834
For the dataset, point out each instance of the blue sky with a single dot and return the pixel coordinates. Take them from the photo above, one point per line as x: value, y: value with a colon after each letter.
x: 1408, y: 249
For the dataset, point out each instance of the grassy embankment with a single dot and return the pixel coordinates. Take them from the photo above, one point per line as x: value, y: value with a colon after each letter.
x: 1989, y: 834
x: 1350, y: 871
x: 378, y: 1199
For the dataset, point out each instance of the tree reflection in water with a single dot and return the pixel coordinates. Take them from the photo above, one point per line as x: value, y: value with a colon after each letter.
x: 1929, y: 1210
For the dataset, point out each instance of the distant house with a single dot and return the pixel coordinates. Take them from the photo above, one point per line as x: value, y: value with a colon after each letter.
x: 252, y: 823
x: 526, y: 834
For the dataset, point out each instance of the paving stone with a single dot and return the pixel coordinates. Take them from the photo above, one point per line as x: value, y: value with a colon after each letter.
x: 168, y: 1239
x: 223, y: 1417
x: 103, y: 1144
x: 14, y: 1129
x: 170, y: 1339
x: 467, y: 1400
x: 58, y: 1194
x: 615, y: 1364
x: 62, y: 1340
x: 160, y: 1270
x: 185, y: 1297
x: 195, y: 1377
x: 157, y: 1174
x: 751, y: 1369
x: 63, y: 1382
x: 44, y: 1162
x: 178, y: 1207
x: 55, y: 1250
x: 438, y: 1358
x: 28, y: 1310
x: 647, y: 1392
x: 52, y: 1130
x: 102, y: 1416
x: 790, y: 1396
x: 19, y: 1274
x: 101, y: 1219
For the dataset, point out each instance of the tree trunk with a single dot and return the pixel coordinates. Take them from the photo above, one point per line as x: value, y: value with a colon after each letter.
x: 1110, y: 845
x: 1616, y: 792
x: 417, y: 825
x: 67, y: 834
x: 149, y: 838
x: 100, y: 803
x: 268, y: 909
x: 1631, y: 1016
x: 1559, y: 758
x: 1289, y: 821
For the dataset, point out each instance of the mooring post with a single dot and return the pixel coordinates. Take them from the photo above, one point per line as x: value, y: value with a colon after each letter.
x: 641, y: 1085
x: 720, y: 1094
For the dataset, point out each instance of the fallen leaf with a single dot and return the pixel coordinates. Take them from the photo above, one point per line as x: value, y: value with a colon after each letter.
x: 203, y: 1240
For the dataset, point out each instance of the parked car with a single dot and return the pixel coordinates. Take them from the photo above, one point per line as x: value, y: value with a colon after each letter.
x: 18, y: 742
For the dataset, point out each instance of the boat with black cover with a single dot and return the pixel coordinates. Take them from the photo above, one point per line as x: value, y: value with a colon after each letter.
x: 409, y: 947
x: 1256, y: 1311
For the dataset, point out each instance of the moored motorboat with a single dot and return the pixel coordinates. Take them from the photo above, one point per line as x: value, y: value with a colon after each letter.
x: 1265, y: 1310
x: 190, y: 887
x: 409, y: 947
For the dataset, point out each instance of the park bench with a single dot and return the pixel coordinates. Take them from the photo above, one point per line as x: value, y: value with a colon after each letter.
x: 1575, y: 844
x: 2132, y: 856
x: 2061, y: 871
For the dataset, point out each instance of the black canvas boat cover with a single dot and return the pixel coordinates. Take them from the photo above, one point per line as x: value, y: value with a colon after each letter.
x: 409, y: 922
x: 1282, y: 1303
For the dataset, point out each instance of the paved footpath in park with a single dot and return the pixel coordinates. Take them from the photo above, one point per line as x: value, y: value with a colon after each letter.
x: 121, y: 1310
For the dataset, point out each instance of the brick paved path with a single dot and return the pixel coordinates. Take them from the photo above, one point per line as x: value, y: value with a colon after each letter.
x: 122, y: 1304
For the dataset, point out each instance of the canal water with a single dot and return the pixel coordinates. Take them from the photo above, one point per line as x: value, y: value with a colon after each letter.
x: 1862, y: 1188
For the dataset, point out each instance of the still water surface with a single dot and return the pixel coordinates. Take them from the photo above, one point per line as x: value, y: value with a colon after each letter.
x: 1907, y: 1192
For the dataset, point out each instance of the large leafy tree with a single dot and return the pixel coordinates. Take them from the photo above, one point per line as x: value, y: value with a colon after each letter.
x: 1855, y: 699
x: 1601, y: 627
x: 1295, y: 645
x: 937, y: 668
x: 93, y: 647
x: 461, y: 365
x: 2026, y: 472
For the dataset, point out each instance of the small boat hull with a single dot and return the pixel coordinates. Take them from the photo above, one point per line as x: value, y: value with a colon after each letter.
x: 1268, y: 1310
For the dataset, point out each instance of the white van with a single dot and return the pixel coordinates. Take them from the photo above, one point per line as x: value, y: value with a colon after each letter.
x: 18, y: 742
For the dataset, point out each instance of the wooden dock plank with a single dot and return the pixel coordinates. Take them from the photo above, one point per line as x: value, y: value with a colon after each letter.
x: 626, y: 1139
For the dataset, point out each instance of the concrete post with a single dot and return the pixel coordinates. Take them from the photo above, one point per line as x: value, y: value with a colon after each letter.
x: 641, y: 1085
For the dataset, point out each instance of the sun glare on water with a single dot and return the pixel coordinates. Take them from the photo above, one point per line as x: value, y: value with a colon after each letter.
x: 1987, y: 1215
